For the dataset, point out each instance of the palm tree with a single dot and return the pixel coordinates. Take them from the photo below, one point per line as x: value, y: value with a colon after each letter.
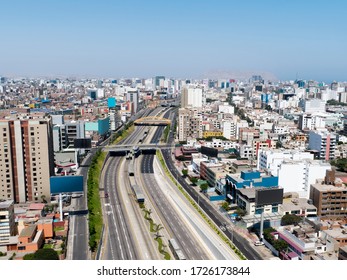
x: 157, y: 228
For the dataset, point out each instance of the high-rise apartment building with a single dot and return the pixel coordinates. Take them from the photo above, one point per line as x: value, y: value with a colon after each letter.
x: 26, y: 159
x: 133, y: 96
x: 191, y: 97
x: 324, y: 142
x: 189, y: 124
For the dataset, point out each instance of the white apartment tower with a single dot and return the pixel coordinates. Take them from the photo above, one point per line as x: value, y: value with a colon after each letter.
x: 324, y: 142
x: 191, y: 97
x: 297, y: 176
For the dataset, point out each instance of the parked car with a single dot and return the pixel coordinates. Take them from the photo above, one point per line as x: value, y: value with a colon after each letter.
x: 258, y: 243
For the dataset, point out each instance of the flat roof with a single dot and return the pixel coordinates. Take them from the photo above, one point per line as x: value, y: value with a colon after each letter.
x: 336, y: 233
x: 323, y: 187
x: 249, y: 192
x: 5, y: 204
x: 45, y: 221
x: 296, y: 204
x: 36, y: 206
x: 257, y: 217
x: 28, y: 231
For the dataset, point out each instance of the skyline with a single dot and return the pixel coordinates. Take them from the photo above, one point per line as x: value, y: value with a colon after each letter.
x: 181, y: 39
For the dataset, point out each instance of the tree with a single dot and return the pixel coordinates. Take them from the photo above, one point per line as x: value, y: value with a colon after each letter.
x: 185, y: 172
x: 290, y: 219
x: 156, y: 229
x: 268, y: 108
x: 43, y: 254
x: 225, y: 206
x: 278, y: 144
x: 43, y: 198
x: 280, y: 245
x: 204, y: 187
x: 240, y: 212
x: 193, y: 180
x: 268, y: 236
x: 29, y: 257
x: 340, y: 163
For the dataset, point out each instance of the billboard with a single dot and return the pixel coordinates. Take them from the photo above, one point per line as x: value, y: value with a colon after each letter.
x: 66, y: 184
x: 83, y: 143
x: 210, y: 152
x: 111, y: 102
x: 266, y: 196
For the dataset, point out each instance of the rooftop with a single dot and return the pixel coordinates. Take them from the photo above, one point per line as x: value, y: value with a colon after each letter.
x: 329, y: 188
x: 28, y: 231
x: 5, y: 204
x: 290, y: 204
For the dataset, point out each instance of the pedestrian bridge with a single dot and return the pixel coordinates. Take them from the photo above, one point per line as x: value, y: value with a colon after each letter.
x: 152, y: 120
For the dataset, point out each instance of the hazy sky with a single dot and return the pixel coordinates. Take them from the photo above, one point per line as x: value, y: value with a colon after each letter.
x: 177, y: 38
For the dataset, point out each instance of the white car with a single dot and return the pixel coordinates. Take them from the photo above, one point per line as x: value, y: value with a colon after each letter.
x: 259, y: 243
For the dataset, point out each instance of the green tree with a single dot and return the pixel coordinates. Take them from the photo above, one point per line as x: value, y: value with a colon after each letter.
x: 280, y: 245
x: 45, y: 254
x: 340, y: 163
x: 268, y: 108
x: 29, y: 257
x: 240, y: 212
x: 268, y: 236
x: 204, y: 187
x: 225, y: 206
x: 290, y: 219
x: 185, y: 172
x: 194, y: 180
x: 43, y: 198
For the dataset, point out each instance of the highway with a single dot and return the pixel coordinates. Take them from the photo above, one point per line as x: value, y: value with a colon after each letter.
x: 243, y: 245
x: 78, y: 248
x: 172, y: 222
x: 180, y: 220
x: 120, y: 242
x: 78, y: 237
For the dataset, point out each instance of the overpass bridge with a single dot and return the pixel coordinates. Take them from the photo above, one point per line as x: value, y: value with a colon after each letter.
x: 153, y: 121
x: 123, y: 150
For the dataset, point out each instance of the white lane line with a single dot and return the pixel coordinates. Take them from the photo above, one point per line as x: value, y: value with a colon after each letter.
x: 125, y: 234
x: 117, y: 234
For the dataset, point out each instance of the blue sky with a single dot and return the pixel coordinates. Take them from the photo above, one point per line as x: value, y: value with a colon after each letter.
x: 178, y: 38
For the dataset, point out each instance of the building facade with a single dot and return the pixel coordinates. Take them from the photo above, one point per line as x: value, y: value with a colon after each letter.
x: 26, y: 159
x: 330, y: 197
x: 323, y: 142
x: 7, y: 221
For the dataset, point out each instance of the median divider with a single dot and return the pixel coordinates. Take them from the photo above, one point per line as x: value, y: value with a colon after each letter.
x: 95, y: 221
x: 154, y: 228
x: 122, y: 133
x: 197, y: 207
